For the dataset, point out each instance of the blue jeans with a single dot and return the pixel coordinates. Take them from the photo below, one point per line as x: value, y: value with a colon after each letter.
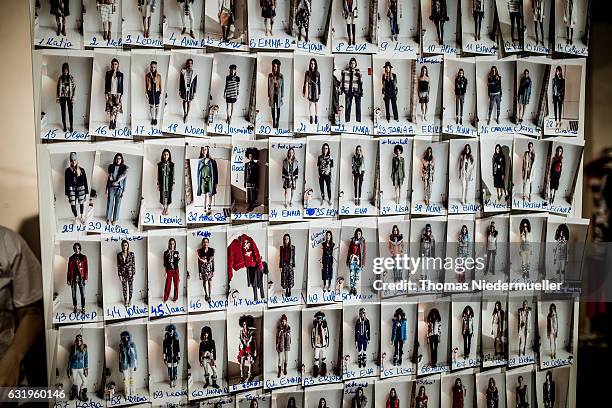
x: 114, y: 203
x: 494, y: 99
x: 77, y: 282
x: 394, y: 25
x: 355, y: 273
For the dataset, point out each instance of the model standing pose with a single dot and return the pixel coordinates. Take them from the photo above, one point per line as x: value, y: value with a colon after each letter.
x: 524, y: 327
x: 421, y: 399
x: 165, y: 180
x: 552, y: 329
x: 491, y: 248
x: 350, y: 13
x: 186, y: 14
x: 206, y: 267
x: 439, y: 16
x: 427, y: 248
x: 525, y: 247
x: 537, y: 8
x: 276, y: 91
x: 352, y: 87
x: 548, y: 391
x: 153, y: 86
x: 319, y: 341
x: 524, y: 94
x: 208, y: 178
x: 171, y: 349
x: 396, y: 247
x: 65, y: 95
x: 569, y: 18
x: 113, y: 91
x: 146, y: 8
x: 76, y: 188
x: 359, y: 400
x: 463, y: 250
x: 393, y: 400
x: 394, y: 13
x: 515, y: 11
x: 268, y: 12
x: 427, y: 173
x: 528, y: 172
x: 398, y: 173
x: 77, y: 370
x: 247, y: 347
x: 358, y: 171
x: 467, y: 330
x: 208, y: 357
x: 492, y: 394
x: 283, y: 344
x: 226, y: 17
x: 561, y: 249
x: 115, y: 187
x: 77, y: 276
x: 494, y: 90
x: 478, y: 10
x: 558, y: 95
x: 187, y: 87
x: 499, y: 172
x: 171, y: 274
x: 466, y: 169
x: 60, y: 9
x: 231, y: 91
x: 556, y: 166
x: 398, y: 335
x: 362, y: 337
x: 327, y: 261
x: 325, y: 163
x: 290, y: 176
x: 461, y: 83
x: 286, y: 264
x: 243, y: 253
x: 107, y: 10
x: 459, y: 394
x: 251, y: 177
x: 498, y: 329
x: 126, y: 269
x: 128, y: 361
x: 355, y: 259
x: 520, y: 393
x: 302, y: 18
x: 312, y: 89
x: 434, y: 334
x: 423, y: 89
x: 337, y: 87
x: 390, y: 91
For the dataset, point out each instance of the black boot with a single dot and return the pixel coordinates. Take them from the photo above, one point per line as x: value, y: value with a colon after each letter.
x: 83, y: 397
x: 206, y: 381
x: 323, y: 368
x: 348, y: 31
x: 73, y: 392
x: 315, y: 370
x: 214, y: 382
x: 354, y: 31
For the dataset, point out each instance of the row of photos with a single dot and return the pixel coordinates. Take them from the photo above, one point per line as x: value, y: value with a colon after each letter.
x: 442, y: 357
x: 533, y: 96
x: 405, y: 27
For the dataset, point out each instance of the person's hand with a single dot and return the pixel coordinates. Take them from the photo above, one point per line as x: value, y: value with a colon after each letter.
x: 84, y: 282
x: 86, y: 372
x: 69, y: 372
x: 9, y: 370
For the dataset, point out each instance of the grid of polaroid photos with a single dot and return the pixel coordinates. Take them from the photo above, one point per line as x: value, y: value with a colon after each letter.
x: 224, y: 174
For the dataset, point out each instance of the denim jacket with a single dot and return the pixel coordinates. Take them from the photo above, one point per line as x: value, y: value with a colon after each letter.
x: 78, y: 358
x: 128, y: 357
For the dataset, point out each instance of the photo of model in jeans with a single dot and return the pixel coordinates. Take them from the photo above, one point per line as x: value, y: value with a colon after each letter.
x: 113, y: 91
x: 76, y: 188
x: 461, y: 84
x: 115, y: 187
x: 433, y: 334
x: 352, y: 87
x: 394, y: 13
x: 478, y: 10
x: 491, y: 249
x: 77, y: 276
x: 390, y: 91
x: 398, y: 335
x: 355, y: 259
x: 77, y: 369
x: 165, y: 180
x: 494, y: 90
x: 186, y: 13
x: 362, y: 337
x: 358, y: 171
x: 325, y: 163
x: 467, y: 330
x: 516, y: 19
x: 65, y: 95
x: 153, y: 87
x: 126, y: 269
x: 171, y: 271
x: 312, y: 90
x: 327, y: 261
x: 524, y: 94
x: 276, y: 91
x: 558, y: 95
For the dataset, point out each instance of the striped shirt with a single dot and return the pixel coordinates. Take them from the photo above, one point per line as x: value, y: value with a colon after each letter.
x: 232, y: 83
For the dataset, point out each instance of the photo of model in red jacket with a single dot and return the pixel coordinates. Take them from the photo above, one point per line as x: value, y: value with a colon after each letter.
x: 242, y: 252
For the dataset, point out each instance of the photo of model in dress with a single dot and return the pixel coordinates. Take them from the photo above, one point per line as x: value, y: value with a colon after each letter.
x: 459, y: 97
x: 536, y: 18
x: 564, y: 159
x: 142, y: 23
x: 361, y: 325
x: 245, y: 335
x: 458, y: 391
x: 352, y: 96
x: 433, y: 330
x: 282, y: 347
x: 57, y: 24
x: 358, y: 177
x: 552, y: 387
x: 565, y: 100
x: 270, y: 24
x: 394, y: 175
x: 149, y: 83
x: 511, y: 23
x: 478, y: 27
x: 529, y: 171
x: 286, y: 182
x: 274, y: 95
x: 323, y: 262
x: 101, y: 23
x: 465, y: 330
x: 311, y: 99
x: 309, y: 25
x: 520, y: 390
x: 288, y: 264
x: 496, y: 173
x: 351, y: 28
x: 439, y: 26
x: 398, y: 333
x: 167, y: 352
x: 429, y: 177
x: 494, y: 328
x: 426, y: 393
x: 463, y: 185
x: 249, y: 180
x: 495, y: 92
x: 428, y: 95
x: 167, y: 273
x: 571, y: 27
x: 392, y: 91
x: 491, y: 389
x: 183, y: 23
x: 522, y: 312
x: 555, y: 323
x: 398, y: 27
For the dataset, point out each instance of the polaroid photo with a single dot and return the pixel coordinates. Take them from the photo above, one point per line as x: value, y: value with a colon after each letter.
x: 353, y: 112
x: 459, y: 388
x: 321, y: 345
x: 463, y: 186
x: 393, y: 241
x: 520, y: 387
x: 522, y: 329
x: 491, y: 389
x: 433, y: 327
x: 360, y: 356
x: 310, y: 26
x: 530, y: 157
x: 321, y: 176
x: 494, y: 326
x: 562, y: 179
x: 274, y: 94
x: 572, y: 27
x: 163, y: 184
x: 552, y: 386
x: 168, y: 367
x: 459, y: 97
x: 149, y: 78
x: 565, y: 248
x: 439, y: 27
x: 495, y: 86
x: 207, y: 281
x: 183, y: 24
x: 207, y: 180
x: 249, y: 180
x: 527, y: 247
x: 492, y: 247
x: 270, y: 25
x: 247, y: 266
x: 479, y: 31
x: 245, y: 358
x: 312, y: 112
x: 531, y: 74
x: 426, y: 391
x: 460, y: 238
x: 77, y: 280
x: 427, y: 90
x: 394, y: 183
x: 65, y: 95
x: 225, y: 25
x: 398, y: 32
x: 253, y: 399
x: 537, y: 15
x: 324, y: 238
x: 231, y: 110
x: 566, y: 98
x: 115, y: 196
x: 58, y: 25
x: 358, y: 392
x: 357, y: 248
x: 124, y: 276
x: 393, y: 81
x: 556, y: 330
x: 324, y: 396
x: 398, y: 338
x: 79, y: 363
x: 511, y: 24
x: 429, y: 177
x: 127, y: 363
x: 353, y: 28
x: 465, y: 327
x: 288, y: 397
x: 142, y: 23
x: 496, y: 173
x: 287, y: 158
x: 187, y: 107
x: 283, y: 368
x: 102, y: 24
x: 288, y: 263
x: 207, y: 356
x: 427, y: 241
x: 166, y: 272
x: 392, y: 392
x: 357, y: 194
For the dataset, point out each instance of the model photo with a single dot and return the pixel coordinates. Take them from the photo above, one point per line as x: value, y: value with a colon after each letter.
x: 171, y: 350
x: 77, y: 369
x: 427, y: 247
x: 146, y: 8
x: 247, y: 347
x: 107, y: 9
x: 461, y: 84
x: 128, y: 362
x: 153, y: 86
x: 396, y: 247
x: 520, y: 393
x: 226, y: 17
x: 421, y: 400
x: 358, y: 171
x: 76, y: 188
x: 113, y: 91
x: 283, y: 344
x: 525, y: 247
x: 538, y: 8
x: 569, y: 19
x: 207, y: 178
x: 494, y: 90
x: 290, y: 176
x: 478, y: 11
x: 207, y: 356
x: 325, y: 164
x: 433, y: 334
x: 466, y: 169
x: 77, y: 276
x: 359, y: 400
x: 115, y: 187
x: 552, y: 329
x: 312, y: 88
x: 390, y: 91
x: 558, y: 95
x: 523, y: 327
x: 356, y: 260
x: 187, y: 86
x: 327, y: 261
x: 467, y: 330
x: 172, y: 273
x: 398, y: 336
x: 231, y: 92
x: 561, y: 250
x: 65, y: 95
x: 549, y: 390
x: 187, y: 16
x: 276, y: 91
x: 439, y: 16
x: 319, y: 340
x: 528, y: 171
x: 491, y: 248
x: 287, y: 264
x: 350, y: 14
x: 268, y: 12
x: 206, y: 267
x: 165, y: 180
x: 556, y: 166
x: 427, y: 173
x: 243, y: 253
x: 126, y: 269
x: 524, y: 94
x: 499, y: 173
x: 362, y: 337
x: 423, y: 89
x: 352, y: 88
x: 498, y: 330
x: 251, y: 177
x: 492, y: 394
x: 302, y: 18
x: 459, y: 394
x: 516, y: 23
